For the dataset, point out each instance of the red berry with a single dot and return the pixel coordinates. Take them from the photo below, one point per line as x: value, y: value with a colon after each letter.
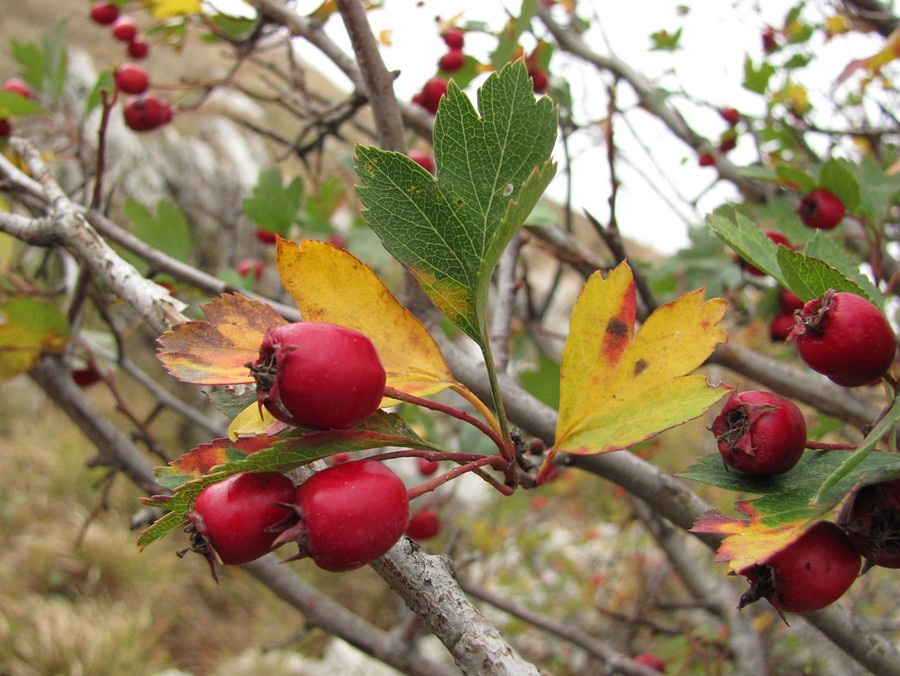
x: 652, y: 661
x: 350, y: 514
x: 727, y: 144
x: 452, y: 61
x: 234, y: 518
x: 821, y: 209
x: 86, y: 377
x: 769, y: 39
x: 871, y: 520
x: 146, y: 113
x: 124, y: 29
x: 17, y: 86
x: 454, y: 38
x: 539, y: 79
x: 706, y: 159
x: 250, y: 266
x: 790, y: 302
x: 776, y: 237
x: 266, y: 236
x: 318, y: 375
x: 132, y: 79
x: 424, y: 525
x: 138, y: 49
x: 427, y: 467
x: 846, y: 338
x: 423, y: 159
x: 431, y: 94
x: 730, y: 115
x: 5, y: 127
x: 781, y: 325
x: 810, y: 573
x: 760, y: 433
x: 104, y: 13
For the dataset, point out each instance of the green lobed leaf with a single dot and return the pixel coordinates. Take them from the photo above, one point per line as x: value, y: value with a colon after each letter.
x: 12, y: 104
x: 757, y: 79
x: 835, y: 177
x: 450, y: 229
x: 167, y: 230
x: 824, y: 248
x: 810, y: 277
x: 508, y: 37
x: 229, y: 403
x: 44, y: 67
x: 788, y: 497
x: 801, y: 179
x: 274, y: 205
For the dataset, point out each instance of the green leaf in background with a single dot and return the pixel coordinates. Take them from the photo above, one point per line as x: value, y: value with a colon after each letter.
x: 879, y: 190
x: 44, y: 67
x: 824, y: 248
x: 809, y: 277
x: 450, y: 230
x: 757, y: 79
x: 320, y: 206
x: 840, y: 181
x: 788, y: 174
x: 29, y: 327
x: 273, y: 205
x: 664, y: 41
x: 508, y: 37
x: 12, y: 104
x: 787, y: 497
x: 105, y: 81
x: 749, y: 242
x: 167, y: 230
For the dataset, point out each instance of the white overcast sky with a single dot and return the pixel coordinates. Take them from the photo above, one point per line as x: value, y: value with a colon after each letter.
x: 716, y: 38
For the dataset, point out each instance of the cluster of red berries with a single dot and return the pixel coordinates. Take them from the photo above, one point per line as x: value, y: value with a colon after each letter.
x: 14, y: 86
x: 142, y: 111
x: 124, y: 28
x: 781, y: 325
x: 343, y: 517
x: 454, y: 59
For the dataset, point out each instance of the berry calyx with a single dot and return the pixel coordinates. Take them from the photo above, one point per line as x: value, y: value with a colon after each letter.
x: 318, y: 375
x: 452, y: 61
x: 132, y: 79
x: 810, y: 573
x: 845, y: 338
x: 104, y: 13
x: 236, y: 519
x: 124, y: 29
x: 16, y: 86
x: 349, y: 515
x: 760, y: 433
x: 424, y: 525
x: 871, y: 520
x: 821, y: 209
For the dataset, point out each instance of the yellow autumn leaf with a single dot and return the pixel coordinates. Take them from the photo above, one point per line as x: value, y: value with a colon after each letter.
x: 256, y: 421
x: 331, y: 285
x: 618, y: 388
x: 166, y: 9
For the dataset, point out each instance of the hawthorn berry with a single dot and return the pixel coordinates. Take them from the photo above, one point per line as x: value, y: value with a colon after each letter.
x: 427, y: 467
x: 452, y: 61
x: 651, y: 660
x: 454, y: 38
x: 821, y: 209
x: 318, y: 375
x: 85, y: 377
x: 706, y: 159
x: 124, y: 29
x: 146, y: 113
x: 769, y: 40
x: 138, y: 49
x: 423, y: 159
x: 104, y: 13
x: 349, y: 515
x: 845, y: 338
x: 871, y: 520
x: 430, y: 96
x: 539, y: 79
x: 760, y: 433
x: 781, y: 325
x: 249, y: 266
x: 5, y: 127
x: 235, y: 520
x: 132, y: 79
x: 810, y: 573
x: 777, y: 238
x: 16, y: 86
x: 265, y: 236
x: 424, y: 524
x: 730, y: 115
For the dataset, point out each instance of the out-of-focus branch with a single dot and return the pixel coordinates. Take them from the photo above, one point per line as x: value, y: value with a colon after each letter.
x: 875, y: 13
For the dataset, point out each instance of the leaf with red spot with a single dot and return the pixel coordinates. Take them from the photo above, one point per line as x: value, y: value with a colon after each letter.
x: 619, y: 387
x: 216, y: 352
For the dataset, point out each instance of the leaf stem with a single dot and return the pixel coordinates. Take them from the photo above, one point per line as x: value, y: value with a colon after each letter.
x: 506, y: 447
x: 884, y: 426
x: 492, y: 434
x: 822, y: 446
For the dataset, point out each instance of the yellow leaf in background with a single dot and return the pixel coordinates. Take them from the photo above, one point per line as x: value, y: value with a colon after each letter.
x: 618, y: 388
x: 166, y: 9
x: 254, y: 421
x: 751, y: 541
x: 331, y: 285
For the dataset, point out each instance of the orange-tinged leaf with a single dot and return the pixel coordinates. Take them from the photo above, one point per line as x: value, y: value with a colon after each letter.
x: 751, y: 541
x: 255, y: 421
x: 29, y: 327
x: 200, y: 460
x: 331, y: 285
x: 216, y: 352
x: 619, y: 388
